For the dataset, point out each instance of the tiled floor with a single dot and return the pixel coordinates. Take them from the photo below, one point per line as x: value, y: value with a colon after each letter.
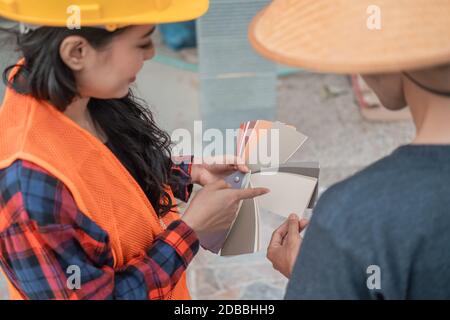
x: 339, y: 140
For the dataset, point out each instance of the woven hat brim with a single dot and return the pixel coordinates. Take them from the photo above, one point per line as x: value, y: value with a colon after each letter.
x: 333, y: 35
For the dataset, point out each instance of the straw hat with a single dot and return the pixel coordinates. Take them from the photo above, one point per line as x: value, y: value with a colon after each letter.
x: 354, y: 36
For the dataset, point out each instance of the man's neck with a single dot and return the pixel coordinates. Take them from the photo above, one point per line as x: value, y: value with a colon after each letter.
x: 431, y: 114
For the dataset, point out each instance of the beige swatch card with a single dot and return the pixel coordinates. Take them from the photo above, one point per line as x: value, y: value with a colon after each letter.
x: 289, y: 193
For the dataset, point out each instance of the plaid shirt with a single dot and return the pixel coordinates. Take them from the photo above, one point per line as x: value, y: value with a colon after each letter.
x: 42, y: 233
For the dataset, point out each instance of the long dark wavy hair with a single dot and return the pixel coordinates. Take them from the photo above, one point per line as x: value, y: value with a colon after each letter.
x: 128, y: 121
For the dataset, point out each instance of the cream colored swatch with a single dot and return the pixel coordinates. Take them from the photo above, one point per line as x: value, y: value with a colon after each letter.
x: 289, y: 193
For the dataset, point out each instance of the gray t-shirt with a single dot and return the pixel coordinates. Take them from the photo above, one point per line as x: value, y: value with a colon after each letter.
x: 382, y: 234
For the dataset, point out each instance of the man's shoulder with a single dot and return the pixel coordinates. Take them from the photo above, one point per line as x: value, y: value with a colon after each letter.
x: 392, y: 176
x: 395, y: 189
x: 362, y: 184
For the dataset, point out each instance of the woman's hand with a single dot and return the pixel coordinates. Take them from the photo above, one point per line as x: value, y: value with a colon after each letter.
x: 214, y: 208
x: 285, y: 244
x: 216, y: 168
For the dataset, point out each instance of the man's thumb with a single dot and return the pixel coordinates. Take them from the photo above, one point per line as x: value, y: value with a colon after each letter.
x: 293, y: 232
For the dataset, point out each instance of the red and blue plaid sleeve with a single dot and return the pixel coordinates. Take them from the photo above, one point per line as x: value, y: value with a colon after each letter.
x: 45, y: 240
x: 181, y: 168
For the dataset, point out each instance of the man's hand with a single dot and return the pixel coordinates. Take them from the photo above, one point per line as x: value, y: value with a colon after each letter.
x: 285, y: 244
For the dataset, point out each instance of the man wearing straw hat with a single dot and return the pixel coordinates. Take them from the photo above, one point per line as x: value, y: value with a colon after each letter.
x: 384, y: 232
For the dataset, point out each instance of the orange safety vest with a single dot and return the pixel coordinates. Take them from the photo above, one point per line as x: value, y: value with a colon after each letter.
x: 102, y: 187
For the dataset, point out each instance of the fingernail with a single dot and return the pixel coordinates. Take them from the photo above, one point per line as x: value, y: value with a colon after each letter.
x: 293, y: 216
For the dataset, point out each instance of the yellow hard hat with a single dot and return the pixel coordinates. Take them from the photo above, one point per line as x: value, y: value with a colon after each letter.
x: 110, y: 13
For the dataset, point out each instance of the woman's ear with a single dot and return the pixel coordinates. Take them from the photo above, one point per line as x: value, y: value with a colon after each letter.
x: 74, y: 51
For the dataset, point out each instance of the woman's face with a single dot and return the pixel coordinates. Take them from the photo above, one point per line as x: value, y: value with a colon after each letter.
x: 107, y: 73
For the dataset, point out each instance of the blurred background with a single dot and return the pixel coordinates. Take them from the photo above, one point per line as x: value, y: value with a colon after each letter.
x: 206, y: 70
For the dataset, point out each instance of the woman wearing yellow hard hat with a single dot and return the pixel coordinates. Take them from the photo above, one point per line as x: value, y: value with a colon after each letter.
x: 384, y: 232
x: 87, y: 183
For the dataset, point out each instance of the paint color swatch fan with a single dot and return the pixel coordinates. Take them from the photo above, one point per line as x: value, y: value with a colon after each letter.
x: 265, y: 147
